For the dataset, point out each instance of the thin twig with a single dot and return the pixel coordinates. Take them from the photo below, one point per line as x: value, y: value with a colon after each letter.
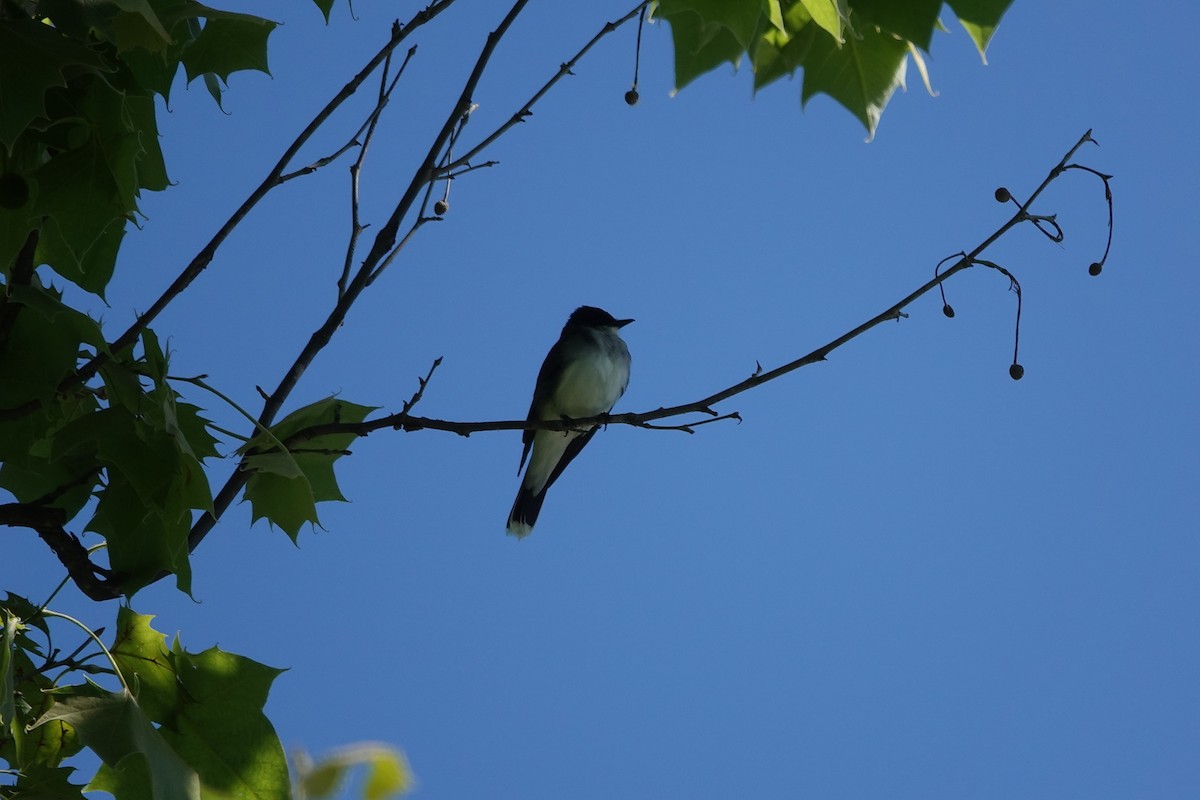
x: 404, y: 421
x: 383, y: 243
x: 208, y: 252
x: 527, y: 109
x: 356, y: 227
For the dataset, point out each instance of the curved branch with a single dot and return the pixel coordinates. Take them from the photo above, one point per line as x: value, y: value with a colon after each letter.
x: 527, y: 109
x: 405, y: 421
x: 274, y: 178
x: 384, y: 242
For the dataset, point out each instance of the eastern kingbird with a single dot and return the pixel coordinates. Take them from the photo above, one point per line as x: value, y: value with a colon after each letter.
x: 584, y: 374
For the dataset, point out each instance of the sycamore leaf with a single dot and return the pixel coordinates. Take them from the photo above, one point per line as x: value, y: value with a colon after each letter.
x: 26, y: 445
x: 912, y: 20
x: 741, y: 19
x: 121, y: 441
x: 699, y: 47
x: 144, y: 510
x: 285, y: 502
x: 33, y: 58
x: 194, y: 429
x: 43, y: 782
x: 283, y: 464
x: 980, y: 18
x: 40, y: 353
x: 861, y: 74
x: 227, y: 44
x: 145, y: 537
x: 286, y: 486
x: 853, y: 50
x: 141, y: 25
x: 49, y: 304
x: 116, y: 729
x: 221, y: 730
x: 142, y: 651
x: 87, y: 263
x: 79, y: 193
x: 388, y: 773
x: 151, y: 169
x: 828, y: 14
x: 326, y: 6
x: 210, y: 705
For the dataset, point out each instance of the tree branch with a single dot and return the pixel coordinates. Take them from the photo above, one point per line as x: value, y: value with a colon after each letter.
x: 94, y: 581
x: 527, y: 109
x: 273, y: 179
x: 403, y: 420
x: 384, y: 242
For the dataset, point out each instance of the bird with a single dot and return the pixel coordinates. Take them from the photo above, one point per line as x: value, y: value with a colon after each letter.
x: 584, y: 374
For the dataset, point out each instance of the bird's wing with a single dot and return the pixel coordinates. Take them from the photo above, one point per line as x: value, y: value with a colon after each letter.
x: 542, y: 392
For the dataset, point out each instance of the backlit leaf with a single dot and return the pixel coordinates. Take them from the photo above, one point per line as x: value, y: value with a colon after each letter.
x: 116, y: 729
x: 286, y: 486
x: 980, y: 18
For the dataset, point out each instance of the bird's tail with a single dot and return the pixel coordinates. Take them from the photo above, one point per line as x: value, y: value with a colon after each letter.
x: 525, y: 511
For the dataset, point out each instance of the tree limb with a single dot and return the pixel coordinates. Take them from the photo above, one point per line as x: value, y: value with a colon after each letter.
x: 273, y: 179
x: 403, y: 420
x: 384, y: 242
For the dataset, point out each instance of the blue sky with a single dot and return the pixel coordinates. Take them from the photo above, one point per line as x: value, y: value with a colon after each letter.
x: 902, y: 575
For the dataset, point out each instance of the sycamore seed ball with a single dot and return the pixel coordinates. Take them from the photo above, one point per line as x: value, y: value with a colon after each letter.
x: 1003, y: 195
x: 441, y: 207
x: 1016, y: 372
x: 631, y: 97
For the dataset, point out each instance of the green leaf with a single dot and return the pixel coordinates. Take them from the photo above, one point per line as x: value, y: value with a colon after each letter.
x: 116, y: 729
x: 285, y: 502
x: 49, y: 304
x: 151, y: 169
x: 740, y: 18
x: 89, y: 268
x: 210, y: 706
x: 144, y: 538
x: 853, y: 50
x: 194, y: 429
x: 33, y: 58
x: 42, y: 349
x: 153, y: 484
x: 122, y: 442
x: 861, y: 74
x: 388, y: 773
x: 79, y: 193
x: 286, y: 486
x: 220, y: 729
x: 700, y: 47
x: 828, y: 14
x: 26, y: 445
x: 980, y: 18
x: 913, y: 20
x: 142, y: 652
x: 41, y: 782
x: 34, y: 752
x: 326, y: 6
x: 227, y: 44
x: 140, y: 27
x: 282, y: 464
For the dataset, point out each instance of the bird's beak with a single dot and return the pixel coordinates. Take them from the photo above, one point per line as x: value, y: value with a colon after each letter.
x: 621, y: 323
